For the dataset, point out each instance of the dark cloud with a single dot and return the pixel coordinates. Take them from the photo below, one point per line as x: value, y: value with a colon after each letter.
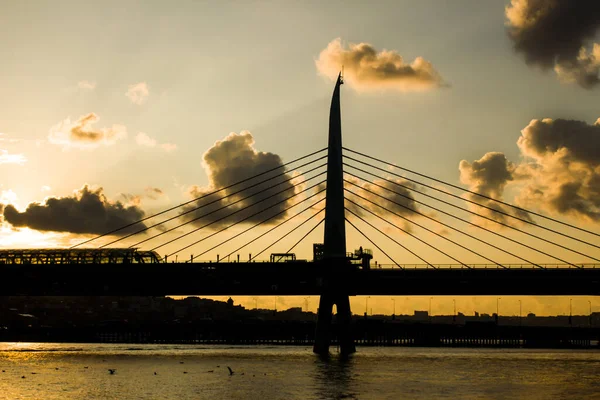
x: 400, y: 202
x: 234, y: 159
x: 564, y: 175
x: 488, y: 176
x: 553, y: 34
x: 570, y: 140
x: 87, y: 211
x: 559, y: 172
x: 365, y: 68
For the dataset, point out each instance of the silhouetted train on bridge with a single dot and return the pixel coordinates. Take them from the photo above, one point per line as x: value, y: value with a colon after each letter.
x: 136, y: 256
x: 79, y: 256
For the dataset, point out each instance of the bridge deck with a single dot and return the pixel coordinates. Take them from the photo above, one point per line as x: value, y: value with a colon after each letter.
x: 292, y: 278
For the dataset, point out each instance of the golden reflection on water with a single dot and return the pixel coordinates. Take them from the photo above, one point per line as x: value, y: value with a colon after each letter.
x: 21, y: 351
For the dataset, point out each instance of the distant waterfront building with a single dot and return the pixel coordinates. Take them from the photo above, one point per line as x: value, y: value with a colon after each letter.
x: 421, y: 315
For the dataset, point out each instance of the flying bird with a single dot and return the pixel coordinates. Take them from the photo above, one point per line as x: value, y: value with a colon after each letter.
x: 112, y: 371
x: 230, y: 371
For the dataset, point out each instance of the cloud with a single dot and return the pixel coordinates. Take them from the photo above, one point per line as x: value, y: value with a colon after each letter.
x: 8, y: 158
x: 553, y: 34
x: 138, y: 93
x: 131, y: 199
x: 7, y: 196
x: 5, y: 139
x: 564, y: 173
x: 45, y: 188
x: 400, y: 202
x: 559, y: 171
x: 144, y: 140
x: 86, y: 85
x: 81, y: 134
x: 154, y: 193
x: 489, y: 176
x: 366, y: 69
x: 168, y: 147
x: 230, y: 160
x: 87, y: 211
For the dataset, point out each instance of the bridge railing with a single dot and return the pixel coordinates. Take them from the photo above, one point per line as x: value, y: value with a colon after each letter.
x: 486, y: 266
x: 439, y: 266
x: 435, y: 266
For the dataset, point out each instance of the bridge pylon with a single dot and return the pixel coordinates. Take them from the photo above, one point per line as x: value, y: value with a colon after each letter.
x: 335, y: 261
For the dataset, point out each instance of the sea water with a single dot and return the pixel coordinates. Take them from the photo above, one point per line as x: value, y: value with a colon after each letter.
x: 81, y: 371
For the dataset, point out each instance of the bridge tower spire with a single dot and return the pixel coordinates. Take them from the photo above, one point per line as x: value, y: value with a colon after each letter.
x: 334, y: 260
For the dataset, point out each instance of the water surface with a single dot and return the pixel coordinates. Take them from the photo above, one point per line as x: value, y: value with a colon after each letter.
x: 80, y: 371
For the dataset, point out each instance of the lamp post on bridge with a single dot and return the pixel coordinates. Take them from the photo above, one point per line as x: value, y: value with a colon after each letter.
x: 454, y: 315
x: 520, y: 313
x: 394, y: 314
x: 431, y: 298
x: 570, y: 311
x: 498, y: 310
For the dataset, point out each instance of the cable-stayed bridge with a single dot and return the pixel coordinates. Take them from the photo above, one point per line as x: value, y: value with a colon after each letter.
x: 386, y: 204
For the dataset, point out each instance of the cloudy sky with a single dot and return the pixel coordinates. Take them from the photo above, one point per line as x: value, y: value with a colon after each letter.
x: 111, y: 113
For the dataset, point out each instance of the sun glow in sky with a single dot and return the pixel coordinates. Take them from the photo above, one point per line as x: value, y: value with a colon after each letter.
x: 116, y: 111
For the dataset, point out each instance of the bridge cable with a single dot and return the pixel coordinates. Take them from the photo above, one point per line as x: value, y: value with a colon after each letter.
x: 255, y: 225
x: 201, y: 197
x: 287, y: 234
x: 475, y: 193
x: 423, y: 227
x: 219, y: 209
x: 410, y: 234
x: 456, y: 229
x: 389, y: 237
x: 275, y: 227
x: 212, y: 202
x: 473, y: 202
x: 303, y: 237
x: 235, y: 223
x: 372, y: 242
x: 468, y: 211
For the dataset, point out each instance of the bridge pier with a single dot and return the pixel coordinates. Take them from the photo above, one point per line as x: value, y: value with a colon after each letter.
x: 344, y: 323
